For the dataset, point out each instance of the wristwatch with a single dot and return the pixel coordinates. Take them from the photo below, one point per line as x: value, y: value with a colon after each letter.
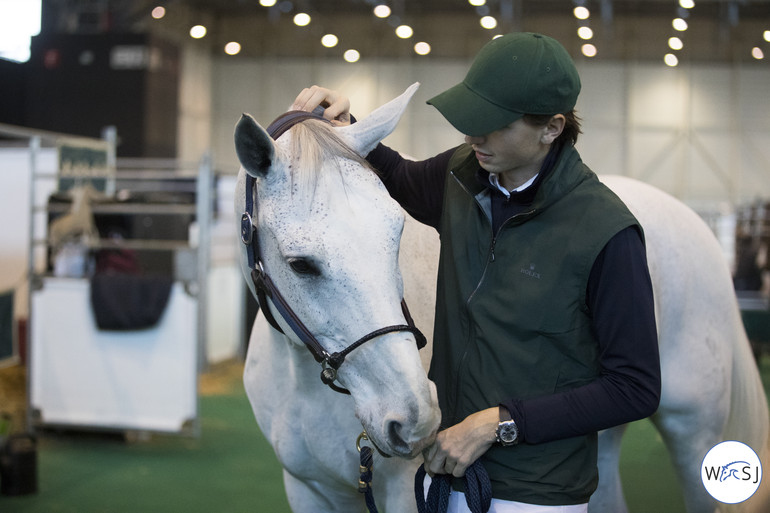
x: 507, y: 431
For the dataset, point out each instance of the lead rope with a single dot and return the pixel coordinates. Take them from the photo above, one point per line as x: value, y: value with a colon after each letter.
x: 365, y: 471
x: 478, y: 490
x: 365, y: 479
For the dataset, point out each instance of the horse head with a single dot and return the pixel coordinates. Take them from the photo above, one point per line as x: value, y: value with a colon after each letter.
x: 328, y: 235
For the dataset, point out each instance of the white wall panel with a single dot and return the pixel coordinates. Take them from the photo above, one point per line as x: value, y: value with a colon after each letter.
x: 655, y: 157
x: 603, y: 149
x: 657, y: 97
x: 82, y: 376
x: 194, y: 123
x: 752, y: 84
x: 15, y: 176
x: 701, y: 133
x: 609, y: 107
x: 754, y: 159
x: 713, y: 98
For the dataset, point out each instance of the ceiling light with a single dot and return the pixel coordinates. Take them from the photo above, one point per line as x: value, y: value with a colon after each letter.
x: 477, y: 3
x: 198, y: 31
x: 581, y: 13
x: 422, y: 48
x: 232, y: 48
x: 686, y: 4
x: 351, y: 55
x: 670, y: 60
x: 404, y: 31
x: 679, y: 24
x: 757, y: 53
x: 382, y: 11
x: 329, y: 40
x: 267, y: 3
x: 488, y: 22
x: 158, y: 12
x: 302, y: 19
x: 675, y: 43
x: 585, y: 33
x: 766, y: 35
x: 588, y: 50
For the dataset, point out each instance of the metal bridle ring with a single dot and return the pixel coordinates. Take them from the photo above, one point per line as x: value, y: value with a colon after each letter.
x: 329, y: 373
x: 362, y: 436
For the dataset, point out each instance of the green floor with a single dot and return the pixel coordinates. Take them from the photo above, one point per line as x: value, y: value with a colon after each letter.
x: 232, y: 469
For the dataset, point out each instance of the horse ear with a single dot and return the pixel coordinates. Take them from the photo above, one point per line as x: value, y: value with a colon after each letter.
x: 364, y: 135
x: 253, y: 146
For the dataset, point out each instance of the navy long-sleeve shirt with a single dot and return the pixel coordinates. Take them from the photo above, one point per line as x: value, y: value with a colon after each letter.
x: 619, y: 297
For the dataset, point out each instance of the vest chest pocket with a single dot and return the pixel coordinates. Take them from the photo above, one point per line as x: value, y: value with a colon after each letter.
x: 533, y: 298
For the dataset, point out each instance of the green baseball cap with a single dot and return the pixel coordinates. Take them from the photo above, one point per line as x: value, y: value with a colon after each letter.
x: 516, y: 74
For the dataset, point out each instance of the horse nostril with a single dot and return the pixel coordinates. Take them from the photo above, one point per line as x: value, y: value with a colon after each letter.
x: 395, y: 437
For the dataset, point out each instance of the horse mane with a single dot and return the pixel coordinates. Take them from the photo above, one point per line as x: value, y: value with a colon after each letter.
x: 313, y: 145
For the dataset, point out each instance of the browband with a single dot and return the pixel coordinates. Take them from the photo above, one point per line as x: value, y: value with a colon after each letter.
x: 285, y: 121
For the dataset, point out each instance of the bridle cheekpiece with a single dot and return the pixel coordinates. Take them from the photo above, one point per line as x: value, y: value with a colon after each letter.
x: 330, y: 362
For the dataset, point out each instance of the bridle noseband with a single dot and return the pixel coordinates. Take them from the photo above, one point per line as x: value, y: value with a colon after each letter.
x: 265, y: 287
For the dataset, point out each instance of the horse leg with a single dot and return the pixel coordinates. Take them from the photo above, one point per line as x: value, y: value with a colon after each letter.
x: 608, y: 497
x: 306, y: 496
x: 688, y: 438
x: 691, y: 419
x: 393, y: 484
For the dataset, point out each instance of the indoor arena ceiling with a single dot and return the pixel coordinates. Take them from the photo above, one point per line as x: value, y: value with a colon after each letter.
x: 718, y: 31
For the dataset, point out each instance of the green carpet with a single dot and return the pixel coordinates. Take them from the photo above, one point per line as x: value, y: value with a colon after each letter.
x: 649, y: 480
x: 230, y: 468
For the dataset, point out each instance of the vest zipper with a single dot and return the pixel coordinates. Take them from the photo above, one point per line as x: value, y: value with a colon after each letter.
x: 494, y: 237
x: 491, y: 253
x: 490, y: 259
x: 453, y: 403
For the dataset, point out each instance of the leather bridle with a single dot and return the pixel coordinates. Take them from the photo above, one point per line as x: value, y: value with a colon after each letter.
x: 265, y: 287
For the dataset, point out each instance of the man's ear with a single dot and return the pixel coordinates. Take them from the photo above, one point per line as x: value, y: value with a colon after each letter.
x: 553, y: 128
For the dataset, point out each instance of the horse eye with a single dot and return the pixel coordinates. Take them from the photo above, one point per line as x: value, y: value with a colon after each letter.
x: 302, y: 266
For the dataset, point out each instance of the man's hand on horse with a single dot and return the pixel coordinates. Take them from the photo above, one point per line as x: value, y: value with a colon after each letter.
x: 336, y: 106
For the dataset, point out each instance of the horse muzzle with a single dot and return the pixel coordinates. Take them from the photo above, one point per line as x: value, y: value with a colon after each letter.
x: 406, y: 436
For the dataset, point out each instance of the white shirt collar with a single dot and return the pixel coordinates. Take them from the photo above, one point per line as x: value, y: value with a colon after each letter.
x: 495, y: 181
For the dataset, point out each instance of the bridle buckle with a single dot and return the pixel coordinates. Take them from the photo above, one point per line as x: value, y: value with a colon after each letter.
x: 247, y: 228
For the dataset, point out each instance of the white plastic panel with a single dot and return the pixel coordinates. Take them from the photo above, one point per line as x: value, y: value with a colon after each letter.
x: 135, y: 380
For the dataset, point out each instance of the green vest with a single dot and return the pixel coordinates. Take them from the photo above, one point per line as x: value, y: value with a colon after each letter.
x: 512, y: 320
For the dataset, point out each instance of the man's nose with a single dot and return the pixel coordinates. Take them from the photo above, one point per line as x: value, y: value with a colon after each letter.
x: 474, y: 139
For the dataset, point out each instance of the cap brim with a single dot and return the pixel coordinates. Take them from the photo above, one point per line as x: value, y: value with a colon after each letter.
x: 470, y: 113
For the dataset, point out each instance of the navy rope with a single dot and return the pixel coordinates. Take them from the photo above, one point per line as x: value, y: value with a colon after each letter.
x: 365, y: 479
x: 478, y: 490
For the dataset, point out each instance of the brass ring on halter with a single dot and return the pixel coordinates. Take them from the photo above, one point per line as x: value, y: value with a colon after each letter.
x: 362, y: 436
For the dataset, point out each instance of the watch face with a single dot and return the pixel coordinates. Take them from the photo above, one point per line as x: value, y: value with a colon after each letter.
x: 508, y: 432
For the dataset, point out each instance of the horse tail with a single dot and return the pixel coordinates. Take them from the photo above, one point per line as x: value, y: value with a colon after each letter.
x: 749, y: 421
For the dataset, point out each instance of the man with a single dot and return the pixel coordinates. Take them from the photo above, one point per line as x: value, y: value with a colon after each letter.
x: 545, y: 330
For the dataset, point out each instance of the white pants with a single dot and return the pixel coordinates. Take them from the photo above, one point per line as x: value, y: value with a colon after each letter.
x: 457, y: 504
